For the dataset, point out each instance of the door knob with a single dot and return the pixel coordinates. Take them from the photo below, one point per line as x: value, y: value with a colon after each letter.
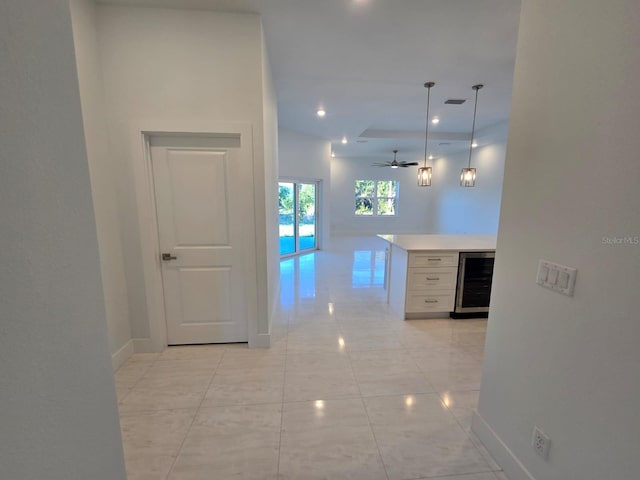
x: 167, y: 256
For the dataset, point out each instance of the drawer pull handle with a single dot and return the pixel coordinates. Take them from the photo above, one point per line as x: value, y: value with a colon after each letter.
x: 431, y: 301
x: 434, y: 259
x: 433, y: 278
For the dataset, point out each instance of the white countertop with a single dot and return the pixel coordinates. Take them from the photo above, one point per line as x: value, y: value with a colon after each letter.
x: 461, y: 243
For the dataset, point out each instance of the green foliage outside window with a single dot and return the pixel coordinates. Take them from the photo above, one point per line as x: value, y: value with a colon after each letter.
x: 307, y: 202
x: 376, y: 197
x: 285, y: 197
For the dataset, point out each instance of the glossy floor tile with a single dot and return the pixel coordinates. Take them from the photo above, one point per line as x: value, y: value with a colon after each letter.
x: 231, y: 442
x: 347, y: 391
x: 328, y: 439
x: 419, y: 437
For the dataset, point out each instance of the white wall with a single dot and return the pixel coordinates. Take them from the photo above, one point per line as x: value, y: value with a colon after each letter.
x: 569, y: 364
x: 304, y: 157
x: 170, y: 65
x: 414, y: 208
x: 476, y: 210
x: 443, y: 208
x: 59, y: 414
x: 270, y: 122
x: 103, y: 178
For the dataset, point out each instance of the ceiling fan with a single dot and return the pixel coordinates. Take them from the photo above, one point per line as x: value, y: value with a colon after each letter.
x: 395, y: 163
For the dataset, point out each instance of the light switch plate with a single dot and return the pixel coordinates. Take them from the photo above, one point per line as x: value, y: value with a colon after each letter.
x: 556, y: 277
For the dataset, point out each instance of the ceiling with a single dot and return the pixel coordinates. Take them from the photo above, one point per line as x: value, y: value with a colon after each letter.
x: 366, y: 61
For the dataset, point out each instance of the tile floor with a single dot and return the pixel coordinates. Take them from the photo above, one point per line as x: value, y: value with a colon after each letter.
x: 348, y: 390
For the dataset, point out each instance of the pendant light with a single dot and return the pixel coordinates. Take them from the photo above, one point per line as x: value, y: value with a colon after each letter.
x: 424, y: 173
x: 468, y: 175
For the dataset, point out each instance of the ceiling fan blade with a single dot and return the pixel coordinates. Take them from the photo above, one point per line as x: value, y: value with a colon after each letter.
x: 380, y: 164
x: 408, y: 164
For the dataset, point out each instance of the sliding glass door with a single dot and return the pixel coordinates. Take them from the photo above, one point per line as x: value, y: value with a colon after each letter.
x: 286, y: 211
x: 297, y: 212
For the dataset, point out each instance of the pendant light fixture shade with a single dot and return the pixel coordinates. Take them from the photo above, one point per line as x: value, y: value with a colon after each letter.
x: 468, y: 175
x: 424, y: 176
x: 424, y: 172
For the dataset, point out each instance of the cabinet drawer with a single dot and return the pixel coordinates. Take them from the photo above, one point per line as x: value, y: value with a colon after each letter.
x: 433, y: 259
x: 439, y: 278
x: 434, y: 302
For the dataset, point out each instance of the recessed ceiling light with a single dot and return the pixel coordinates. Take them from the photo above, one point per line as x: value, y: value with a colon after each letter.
x: 361, y: 2
x: 435, y: 120
x: 344, y: 140
x: 321, y: 112
x: 333, y: 154
x: 474, y: 144
x: 430, y: 157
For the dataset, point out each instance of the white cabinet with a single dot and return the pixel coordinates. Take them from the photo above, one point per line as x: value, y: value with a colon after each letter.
x: 423, y: 271
x: 436, y: 278
x: 431, y: 282
x: 433, y: 259
x: 429, y: 302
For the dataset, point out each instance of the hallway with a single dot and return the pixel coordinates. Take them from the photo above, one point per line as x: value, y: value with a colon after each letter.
x: 347, y: 391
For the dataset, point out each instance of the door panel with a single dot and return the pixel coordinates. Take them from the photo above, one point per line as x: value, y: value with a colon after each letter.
x: 200, y: 223
x: 199, y: 191
x: 205, y: 294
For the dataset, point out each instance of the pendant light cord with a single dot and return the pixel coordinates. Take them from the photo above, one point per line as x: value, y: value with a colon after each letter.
x: 473, y: 128
x: 426, y: 128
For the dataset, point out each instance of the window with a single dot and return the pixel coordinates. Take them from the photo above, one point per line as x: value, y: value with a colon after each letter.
x: 376, y: 197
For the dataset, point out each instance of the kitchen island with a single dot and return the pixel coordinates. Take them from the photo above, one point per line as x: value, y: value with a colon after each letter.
x: 422, y: 271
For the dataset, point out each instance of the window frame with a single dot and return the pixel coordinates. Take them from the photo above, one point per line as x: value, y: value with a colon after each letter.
x: 375, y: 199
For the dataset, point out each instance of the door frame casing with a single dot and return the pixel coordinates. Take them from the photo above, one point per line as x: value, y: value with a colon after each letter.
x: 148, y: 224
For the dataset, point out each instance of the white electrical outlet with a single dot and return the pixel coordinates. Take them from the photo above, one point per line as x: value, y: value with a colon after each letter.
x: 540, y: 443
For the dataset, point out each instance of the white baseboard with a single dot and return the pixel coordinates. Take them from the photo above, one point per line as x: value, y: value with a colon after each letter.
x: 144, y: 345
x: 512, y: 467
x: 262, y: 340
x: 121, y: 356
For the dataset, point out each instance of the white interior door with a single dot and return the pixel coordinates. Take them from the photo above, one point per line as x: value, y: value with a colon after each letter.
x: 202, y: 216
